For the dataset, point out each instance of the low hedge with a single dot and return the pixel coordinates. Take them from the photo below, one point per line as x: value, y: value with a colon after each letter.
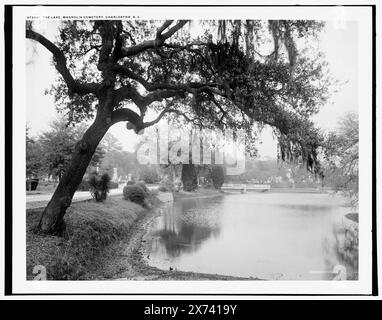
x: 134, y: 193
x: 143, y: 186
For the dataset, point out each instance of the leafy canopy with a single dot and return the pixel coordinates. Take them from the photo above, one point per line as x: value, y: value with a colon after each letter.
x: 57, y: 145
x: 212, y: 74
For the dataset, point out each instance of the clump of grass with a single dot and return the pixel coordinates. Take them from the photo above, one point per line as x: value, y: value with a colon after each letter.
x: 90, y: 228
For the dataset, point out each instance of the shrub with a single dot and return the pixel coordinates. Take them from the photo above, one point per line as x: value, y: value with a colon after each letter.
x: 99, y: 186
x: 189, y: 178
x: 93, y: 187
x: 143, y: 186
x: 217, y: 175
x: 134, y: 193
x: 104, y: 185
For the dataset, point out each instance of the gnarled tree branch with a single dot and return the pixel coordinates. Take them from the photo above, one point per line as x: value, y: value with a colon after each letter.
x: 149, y: 86
x: 170, y: 110
x: 127, y: 115
x: 74, y: 86
x: 155, y: 121
x: 129, y: 92
x: 155, y: 43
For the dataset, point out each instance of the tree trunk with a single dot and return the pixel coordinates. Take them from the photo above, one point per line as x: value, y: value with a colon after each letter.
x: 189, y: 178
x: 52, y: 219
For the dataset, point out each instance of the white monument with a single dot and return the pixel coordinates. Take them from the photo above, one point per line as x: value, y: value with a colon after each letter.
x: 115, y: 175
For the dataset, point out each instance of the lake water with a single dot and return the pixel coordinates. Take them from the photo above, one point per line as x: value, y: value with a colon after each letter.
x: 279, y: 236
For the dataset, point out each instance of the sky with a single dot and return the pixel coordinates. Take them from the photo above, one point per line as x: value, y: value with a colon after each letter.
x: 338, y: 42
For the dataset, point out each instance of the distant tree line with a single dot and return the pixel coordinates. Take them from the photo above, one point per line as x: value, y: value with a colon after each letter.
x: 341, y: 156
x: 49, y: 153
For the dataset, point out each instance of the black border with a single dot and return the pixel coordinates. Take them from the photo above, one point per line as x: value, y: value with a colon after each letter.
x: 8, y: 77
x: 374, y: 159
x: 8, y: 80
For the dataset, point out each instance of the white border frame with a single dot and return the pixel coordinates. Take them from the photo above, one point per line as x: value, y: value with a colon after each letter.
x: 363, y: 286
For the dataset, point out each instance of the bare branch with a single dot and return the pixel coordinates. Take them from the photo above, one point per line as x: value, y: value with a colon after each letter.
x: 155, y: 43
x: 92, y: 48
x: 185, y: 116
x: 59, y: 57
x: 170, y: 110
x: 163, y: 27
x: 174, y: 29
x: 160, y: 116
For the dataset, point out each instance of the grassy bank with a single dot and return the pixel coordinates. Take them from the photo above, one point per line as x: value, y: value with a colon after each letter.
x: 91, y: 229
x: 104, y: 241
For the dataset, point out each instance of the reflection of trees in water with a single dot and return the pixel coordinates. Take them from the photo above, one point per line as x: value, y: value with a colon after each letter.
x: 342, y: 248
x: 187, y: 224
x: 306, y: 207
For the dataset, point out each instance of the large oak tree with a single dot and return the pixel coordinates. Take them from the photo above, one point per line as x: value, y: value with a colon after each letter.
x: 212, y: 74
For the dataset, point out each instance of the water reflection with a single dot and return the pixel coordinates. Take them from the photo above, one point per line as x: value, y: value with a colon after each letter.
x: 341, y: 247
x: 305, y: 207
x: 184, y: 225
x: 271, y: 236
